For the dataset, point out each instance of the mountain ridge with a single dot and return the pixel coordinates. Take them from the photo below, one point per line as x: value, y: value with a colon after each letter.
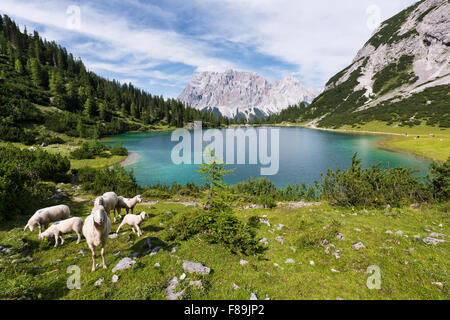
x: 404, y: 64
x: 239, y: 93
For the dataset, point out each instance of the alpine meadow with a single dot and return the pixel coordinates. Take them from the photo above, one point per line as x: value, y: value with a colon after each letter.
x: 214, y: 151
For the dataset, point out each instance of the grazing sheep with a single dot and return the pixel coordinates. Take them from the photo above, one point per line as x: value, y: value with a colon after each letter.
x: 65, y: 226
x: 109, y: 201
x: 127, y: 203
x: 133, y: 220
x: 43, y: 217
x: 96, y: 228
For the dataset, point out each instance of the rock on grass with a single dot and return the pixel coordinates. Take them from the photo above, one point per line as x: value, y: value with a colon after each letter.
x: 123, y: 264
x: 99, y: 281
x: 195, y: 267
x: 358, y: 245
x: 170, y: 290
x: 433, y: 241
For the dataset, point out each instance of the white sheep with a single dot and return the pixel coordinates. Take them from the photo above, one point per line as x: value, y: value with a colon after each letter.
x: 96, y: 229
x: 133, y: 220
x: 109, y: 201
x: 127, y: 203
x: 43, y: 217
x: 58, y: 228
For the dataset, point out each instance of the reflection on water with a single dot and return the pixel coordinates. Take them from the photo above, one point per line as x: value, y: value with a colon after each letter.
x: 304, y: 154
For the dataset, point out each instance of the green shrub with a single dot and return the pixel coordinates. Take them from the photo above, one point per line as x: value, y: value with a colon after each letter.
x: 117, y: 179
x: 16, y: 134
x: 372, y: 187
x: 48, y: 139
x: 89, y: 150
x: 223, y: 228
x: 439, y: 178
x: 268, y: 201
x: 263, y: 189
x: 118, y: 150
x: 165, y: 191
x: 216, y: 223
x: 21, y: 175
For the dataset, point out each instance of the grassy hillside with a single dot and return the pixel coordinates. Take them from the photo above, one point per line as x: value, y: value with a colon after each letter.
x: 45, y: 91
x: 421, y: 140
x: 410, y: 269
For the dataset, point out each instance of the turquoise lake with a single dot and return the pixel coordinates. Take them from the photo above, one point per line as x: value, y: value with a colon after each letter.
x: 303, y: 155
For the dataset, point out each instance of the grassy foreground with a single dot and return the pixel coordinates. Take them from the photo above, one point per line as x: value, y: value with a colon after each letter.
x: 410, y: 269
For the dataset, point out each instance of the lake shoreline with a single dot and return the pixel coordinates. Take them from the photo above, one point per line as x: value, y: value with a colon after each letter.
x: 132, y: 157
x: 382, y: 144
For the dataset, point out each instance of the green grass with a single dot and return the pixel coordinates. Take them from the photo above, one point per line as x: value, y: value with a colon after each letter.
x: 406, y: 273
x: 425, y: 141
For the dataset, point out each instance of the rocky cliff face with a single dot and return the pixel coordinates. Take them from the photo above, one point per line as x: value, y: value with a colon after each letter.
x: 419, y: 34
x: 400, y: 76
x: 234, y: 93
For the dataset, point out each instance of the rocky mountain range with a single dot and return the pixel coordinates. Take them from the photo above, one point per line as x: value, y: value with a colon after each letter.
x: 407, y: 57
x: 234, y: 94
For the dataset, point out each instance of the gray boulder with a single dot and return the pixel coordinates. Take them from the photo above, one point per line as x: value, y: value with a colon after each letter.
x: 123, y: 264
x: 358, y: 245
x: 195, y: 267
x: 433, y: 241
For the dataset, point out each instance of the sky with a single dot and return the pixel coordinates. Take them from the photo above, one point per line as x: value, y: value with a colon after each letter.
x: 157, y: 45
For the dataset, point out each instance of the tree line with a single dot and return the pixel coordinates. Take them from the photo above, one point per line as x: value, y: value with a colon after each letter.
x: 35, y: 72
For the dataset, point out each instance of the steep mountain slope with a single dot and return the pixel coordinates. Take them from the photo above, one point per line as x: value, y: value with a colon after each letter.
x: 402, y: 73
x: 234, y: 93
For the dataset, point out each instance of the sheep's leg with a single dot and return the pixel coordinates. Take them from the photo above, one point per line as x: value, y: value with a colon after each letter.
x: 40, y: 229
x: 139, y: 232
x: 103, y: 257
x: 56, y: 240
x: 62, y: 239
x: 120, y: 226
x: 118, y: 213
x: 93, y: 260
x: 79, y: 238
x: 93, y: 256
x: 132, y: 229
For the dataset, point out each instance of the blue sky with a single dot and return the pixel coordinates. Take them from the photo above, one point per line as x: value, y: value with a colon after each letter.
x: 158, y: 45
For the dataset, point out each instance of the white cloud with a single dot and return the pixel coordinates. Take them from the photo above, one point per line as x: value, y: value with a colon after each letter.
x: 121, y: 38
x: 318, y: 37
x: 311, y: 39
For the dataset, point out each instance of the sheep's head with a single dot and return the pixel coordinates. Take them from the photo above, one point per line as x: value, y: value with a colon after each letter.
x: 143, y: 215
x: 139, y: 198
x: 99, y: 201
x: 32, y: 223
x: 99, y: 215
x: 43, y: 235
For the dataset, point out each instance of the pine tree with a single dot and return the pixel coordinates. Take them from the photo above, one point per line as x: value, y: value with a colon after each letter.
x: 81, y: 129
x: 56, y: 83
x: 89, y: 107
x: 36, y: 72
x: 133, y: 110
x: 18, y: 66
x: 101, y: 111
x: 123, y: 109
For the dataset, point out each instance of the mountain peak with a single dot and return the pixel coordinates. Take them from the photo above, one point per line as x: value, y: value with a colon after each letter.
x: 233, y: 93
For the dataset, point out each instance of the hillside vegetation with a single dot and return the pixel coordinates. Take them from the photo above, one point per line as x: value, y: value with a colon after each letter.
x: 381, y: 84
x: 44, y: 90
